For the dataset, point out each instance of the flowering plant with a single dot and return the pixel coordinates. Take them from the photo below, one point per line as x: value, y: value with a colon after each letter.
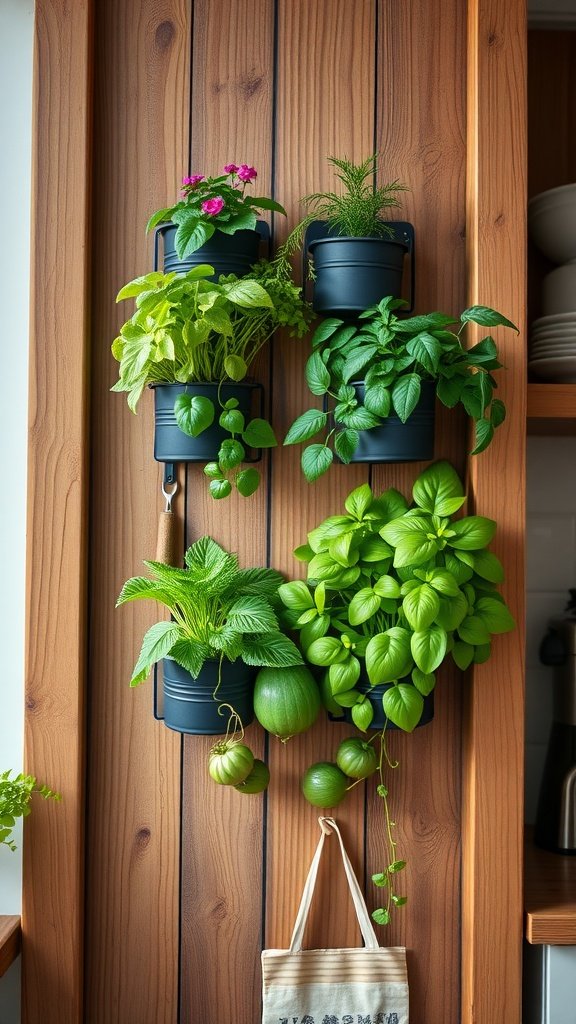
x: 213, y: 204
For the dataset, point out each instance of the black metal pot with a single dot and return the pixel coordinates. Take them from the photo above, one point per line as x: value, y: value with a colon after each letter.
x: 395, y: 441
x: 172, y: 445
x: 352, y: 274
x: 228, y: 254
x: 189, y: 705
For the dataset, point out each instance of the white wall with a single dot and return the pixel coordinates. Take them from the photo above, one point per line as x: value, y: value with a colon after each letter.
x: 16, y: 40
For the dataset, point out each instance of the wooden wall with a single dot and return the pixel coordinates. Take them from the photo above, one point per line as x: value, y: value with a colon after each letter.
x: 186, y: 881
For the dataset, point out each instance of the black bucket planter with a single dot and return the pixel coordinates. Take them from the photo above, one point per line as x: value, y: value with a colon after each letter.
x: 189, y: 706
x: 395, y: 441
x: 228, y: 254
x: 352, y: 274
x: 374, y: 695
x: 172, y: 445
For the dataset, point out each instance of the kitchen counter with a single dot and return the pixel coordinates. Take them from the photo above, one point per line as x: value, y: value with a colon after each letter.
x: 549, y: 896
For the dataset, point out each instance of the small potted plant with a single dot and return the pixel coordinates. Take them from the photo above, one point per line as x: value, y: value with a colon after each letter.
x: 214, y: 222
x: 381, y: 377
x: 193, y: 341
x: 391, y: 591
x: 223, y: 626
x: 15, y: 797
x: 357, y: 257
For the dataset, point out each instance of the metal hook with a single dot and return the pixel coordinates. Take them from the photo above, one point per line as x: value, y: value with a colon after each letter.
x: 169, y: 495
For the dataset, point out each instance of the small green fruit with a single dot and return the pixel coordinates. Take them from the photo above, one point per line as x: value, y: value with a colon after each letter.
x: 230, y: 762
x: 356, y: 758
x: 324, y: 784
x: 257, y: 780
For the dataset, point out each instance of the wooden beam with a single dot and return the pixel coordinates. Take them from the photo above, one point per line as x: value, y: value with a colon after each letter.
x: 53, y: 897
x: 494, y: 719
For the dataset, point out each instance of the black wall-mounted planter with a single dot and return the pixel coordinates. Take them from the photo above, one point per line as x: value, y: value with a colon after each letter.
x: 395, y: 441
x: 353, y: 274
x: 189, y: 706
x: 228, y: 254
x: 172, y: 445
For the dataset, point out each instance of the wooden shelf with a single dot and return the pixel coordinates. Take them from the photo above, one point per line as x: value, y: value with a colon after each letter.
x: 551, y: 409
x: 549, y: 896
x: 9, y: 941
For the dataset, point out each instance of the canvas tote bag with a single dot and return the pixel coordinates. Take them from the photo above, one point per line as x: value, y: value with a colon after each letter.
x: 334, y: 986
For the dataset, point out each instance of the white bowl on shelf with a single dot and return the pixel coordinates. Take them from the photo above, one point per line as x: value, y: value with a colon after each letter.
x: 552, y: 222
x: 559, y: 290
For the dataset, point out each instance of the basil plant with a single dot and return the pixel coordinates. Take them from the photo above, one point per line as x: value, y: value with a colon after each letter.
x: 393, y: 589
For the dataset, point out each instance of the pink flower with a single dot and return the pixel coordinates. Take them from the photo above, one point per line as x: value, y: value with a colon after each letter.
x: 246, y: 173
x: 193, y: 180
x: 230, y: 168
x: 213, y: 206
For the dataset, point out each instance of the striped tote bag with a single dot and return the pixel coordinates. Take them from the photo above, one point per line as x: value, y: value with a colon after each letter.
x: 367, y: 985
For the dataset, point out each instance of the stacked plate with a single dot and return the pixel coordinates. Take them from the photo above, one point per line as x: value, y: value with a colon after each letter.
x: 553, y: 347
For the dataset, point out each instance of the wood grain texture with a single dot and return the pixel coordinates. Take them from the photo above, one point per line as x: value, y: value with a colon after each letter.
x: 420, y: 130
x: 493, y: 739
x: 549, y: 896
x: 222, y: 830
x: 325, y: 107
x: 57, y: 501
x: 141, y: 138
x: 10, y: 940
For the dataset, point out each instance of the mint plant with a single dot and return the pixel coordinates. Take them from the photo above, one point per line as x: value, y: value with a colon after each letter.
x: 392, y: 590
x: 211, y: 204
x: 392, y: 357
x: 15, y: 797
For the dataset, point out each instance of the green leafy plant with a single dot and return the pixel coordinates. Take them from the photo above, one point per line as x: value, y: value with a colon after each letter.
x: 392, y: 357
x: 213, y: 204
x: 356, y: 211
x: 15, y: 796
x: 218, y: 611
x: 187, y: 328
x: 393, y: 590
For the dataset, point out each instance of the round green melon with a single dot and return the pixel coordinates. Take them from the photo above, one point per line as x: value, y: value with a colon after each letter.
x: 286, y: 700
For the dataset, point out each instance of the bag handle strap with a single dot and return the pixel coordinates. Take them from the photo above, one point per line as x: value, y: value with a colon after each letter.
x: 328, y: 825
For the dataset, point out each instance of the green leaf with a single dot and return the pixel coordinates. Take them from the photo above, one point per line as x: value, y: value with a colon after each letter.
x: 344, y: 676
x: 405, y: 526
x: 348, y: 699
x: 377, y: 399
x: 356, y: 361
x: 191, y: 655
x: 193, y: 413
x: 317, y: 376
x: 387, y: 655
x: 157, y: 643
x: 248, y: 294
x: 381, y: 916
x: 405, y: 395
x: 363, y: 606
x: 140, y: 284
x: 488, y: 566
x: 343, y: 550
x: 235, y: 367
x: 252, y: 615
x: 314, y: 630
x: 320, y: 598
x: 232, y: 420
x: 494, y: 614
x: 413, y: 550
x: 346, y: 443
x: 483, y: 434
x: 497, y: 412
x: 316, y: 460
x: 428, y: 647
x: 362, y: 715
x: 473, y: 630
x: 158, y: 217
x: 463, y: 654
x: 375, y: 549
x: 220, y: 488
x: 403, y: 705
x: 387, y: 587
x: 482, y: 653
x: 308, y: 424
x: 296, y: 595
x: 326, y: 651
x: 452, y: 611
x: 421, y: 606
x: 444, y: 582
x: 449, y: 390
x: 358, y: 501
x: 472, y: 533
x: 230, y: 454
x: 423, y: 681
x: 190, y: 236
x: 142, y: 588
x: 271, y: 649
x: 357, y: 418
x: 247, y: 481
x: 259, y: 434
x: 426, y: 349
x: 438, y: 490
x: 325, y: 330
x: 486, y: 317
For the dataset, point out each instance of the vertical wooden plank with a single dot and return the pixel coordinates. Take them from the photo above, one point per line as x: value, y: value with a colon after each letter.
x: 421, y: 117
x: 325, y: 107
x: 57, y: 500
x: 493, y: 742
x: 141, y: 138
x: 221, y: 829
